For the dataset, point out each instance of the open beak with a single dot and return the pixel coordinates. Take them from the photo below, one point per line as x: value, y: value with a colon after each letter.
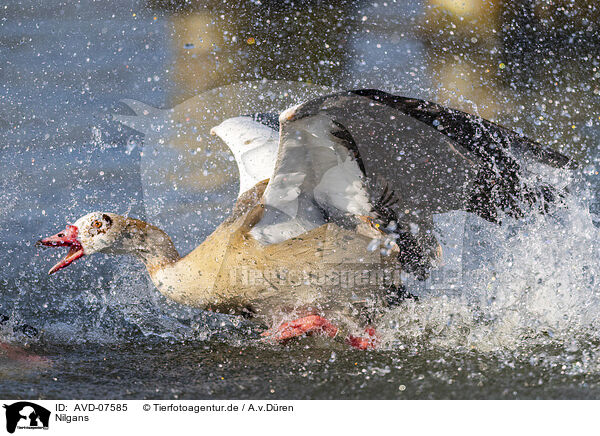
x: 66, y: 238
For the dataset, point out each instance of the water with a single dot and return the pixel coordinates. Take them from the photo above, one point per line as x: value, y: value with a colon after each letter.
x: 513, y: 314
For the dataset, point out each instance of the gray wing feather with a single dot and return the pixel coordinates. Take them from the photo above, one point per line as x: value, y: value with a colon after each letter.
x: 438, y: 159
x: 396, y: 159
x: 316, y: 178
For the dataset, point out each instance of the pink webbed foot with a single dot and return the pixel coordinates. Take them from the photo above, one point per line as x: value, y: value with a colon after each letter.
x: 370, y: 341
x: 301, y: 326
x: 318, y: 324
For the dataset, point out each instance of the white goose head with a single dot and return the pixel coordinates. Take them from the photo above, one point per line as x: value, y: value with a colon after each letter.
x: 105, y: 232
x: 92, y: 233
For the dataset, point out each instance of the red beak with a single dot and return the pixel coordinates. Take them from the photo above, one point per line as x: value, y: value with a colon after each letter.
x: 66, y: 238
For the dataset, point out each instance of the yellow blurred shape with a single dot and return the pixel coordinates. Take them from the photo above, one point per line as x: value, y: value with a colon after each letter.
x: 460, y: 7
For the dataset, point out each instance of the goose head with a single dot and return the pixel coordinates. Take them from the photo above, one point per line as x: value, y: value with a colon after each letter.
x: 105, y: 232
x: 93, y: 233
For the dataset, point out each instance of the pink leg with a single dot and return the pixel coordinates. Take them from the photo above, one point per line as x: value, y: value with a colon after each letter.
x: 364, y: 343
x: 300, y: 326
x: 316, y: 323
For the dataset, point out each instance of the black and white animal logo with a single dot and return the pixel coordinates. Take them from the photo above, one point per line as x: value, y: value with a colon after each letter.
x: 26, y: 415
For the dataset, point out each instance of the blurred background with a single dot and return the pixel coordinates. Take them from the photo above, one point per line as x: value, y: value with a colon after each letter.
x: 530, y: 65
x: 505, y: 60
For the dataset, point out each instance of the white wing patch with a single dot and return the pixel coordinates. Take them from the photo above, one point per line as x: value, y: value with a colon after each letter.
x: 316, y: 178
x: 254, y: 147
x: 284, y: 190
x: 342, y: 188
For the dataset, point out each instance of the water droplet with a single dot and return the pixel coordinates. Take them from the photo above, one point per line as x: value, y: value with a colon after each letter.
x: 131, y: 145
x: 373, y: 245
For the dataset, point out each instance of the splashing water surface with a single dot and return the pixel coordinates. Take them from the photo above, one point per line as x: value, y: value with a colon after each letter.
x: 514, y: 310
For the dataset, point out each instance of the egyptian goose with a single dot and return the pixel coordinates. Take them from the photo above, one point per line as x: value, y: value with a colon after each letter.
x: 348, y: 204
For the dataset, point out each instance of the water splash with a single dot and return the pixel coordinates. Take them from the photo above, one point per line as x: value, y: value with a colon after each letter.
x: 522, y: 286
x: 525, y: 284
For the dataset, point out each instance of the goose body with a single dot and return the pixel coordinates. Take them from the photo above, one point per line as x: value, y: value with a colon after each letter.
x: 232, y: 272
x: 346, y: 204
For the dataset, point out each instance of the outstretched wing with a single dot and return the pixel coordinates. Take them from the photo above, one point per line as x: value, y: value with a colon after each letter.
x: 318, y: 177
x: 253, y: 140
x: 368, y: 153
x: 501, y: 155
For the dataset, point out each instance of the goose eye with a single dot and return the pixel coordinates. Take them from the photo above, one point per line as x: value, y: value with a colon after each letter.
x: 96, y: 224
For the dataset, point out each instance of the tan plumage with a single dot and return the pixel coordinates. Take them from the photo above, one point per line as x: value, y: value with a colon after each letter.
x: 231, y: 272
